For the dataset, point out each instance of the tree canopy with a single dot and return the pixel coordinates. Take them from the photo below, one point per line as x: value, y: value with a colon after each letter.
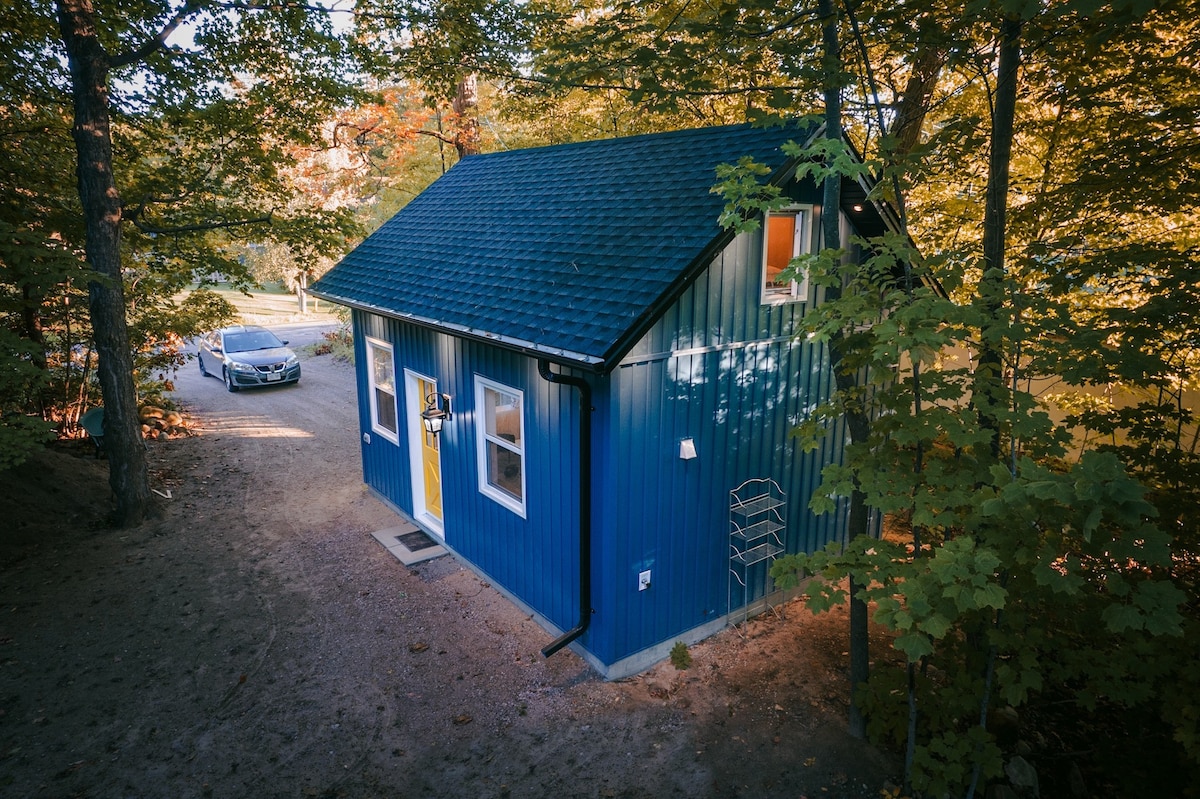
x: 142, y: 141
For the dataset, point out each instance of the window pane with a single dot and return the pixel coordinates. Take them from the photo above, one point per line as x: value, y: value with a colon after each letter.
x: 499, y: 414
x: 385, y: 409
x: 381, y: 363
x: 503, y: 415
x: 383, y: 389
x: 781, y: 245
x: 504, y: 469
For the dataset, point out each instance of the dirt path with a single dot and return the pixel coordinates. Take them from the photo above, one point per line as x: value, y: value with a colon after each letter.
x: 255, y: 641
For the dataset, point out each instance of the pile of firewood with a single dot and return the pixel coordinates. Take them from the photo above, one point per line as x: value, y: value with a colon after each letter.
x: 161, y: 424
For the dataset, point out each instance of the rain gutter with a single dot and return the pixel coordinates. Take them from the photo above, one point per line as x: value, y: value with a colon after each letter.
x: 585, y: 503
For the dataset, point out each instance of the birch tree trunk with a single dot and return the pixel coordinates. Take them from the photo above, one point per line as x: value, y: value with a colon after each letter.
x: 466, y: 107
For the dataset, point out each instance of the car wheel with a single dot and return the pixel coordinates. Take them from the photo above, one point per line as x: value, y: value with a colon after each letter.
x: 229, y: 384
x: 203, y: 371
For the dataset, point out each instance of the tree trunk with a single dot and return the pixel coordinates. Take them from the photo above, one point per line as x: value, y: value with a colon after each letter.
x: 989, y: 379
x: 914, y: 102
x: 857, y: 422
x: 31, y: 325
x: 466, y: 107
x: 128, y: 474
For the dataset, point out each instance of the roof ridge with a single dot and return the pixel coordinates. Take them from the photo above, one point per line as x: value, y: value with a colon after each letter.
x: 634, y: 138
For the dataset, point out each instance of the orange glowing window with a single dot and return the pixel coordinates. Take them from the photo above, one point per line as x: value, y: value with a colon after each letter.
x: 786, y: 234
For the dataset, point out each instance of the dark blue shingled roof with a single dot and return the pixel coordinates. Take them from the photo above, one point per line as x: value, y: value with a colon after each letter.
x: 564, y: 251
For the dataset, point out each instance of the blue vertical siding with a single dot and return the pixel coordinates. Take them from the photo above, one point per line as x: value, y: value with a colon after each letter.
x: 385, y: 465
x: 535, y: 558
x: 730, y: 374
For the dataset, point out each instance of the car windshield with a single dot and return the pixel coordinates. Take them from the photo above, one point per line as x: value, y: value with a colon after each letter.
x: 251, y: 340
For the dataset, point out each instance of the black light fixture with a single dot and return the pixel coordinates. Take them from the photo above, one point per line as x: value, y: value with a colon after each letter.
x: 437, y: 411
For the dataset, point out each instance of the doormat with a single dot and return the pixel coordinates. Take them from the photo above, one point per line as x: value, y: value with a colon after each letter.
x: 416, y: 541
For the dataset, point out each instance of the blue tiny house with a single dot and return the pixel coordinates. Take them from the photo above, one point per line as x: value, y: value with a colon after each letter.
x: 615, y: 377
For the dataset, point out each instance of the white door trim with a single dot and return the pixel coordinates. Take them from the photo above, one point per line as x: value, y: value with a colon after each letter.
x: 415, y: 403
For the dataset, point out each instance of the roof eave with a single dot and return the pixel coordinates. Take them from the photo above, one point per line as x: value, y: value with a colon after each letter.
x: 558, y: 355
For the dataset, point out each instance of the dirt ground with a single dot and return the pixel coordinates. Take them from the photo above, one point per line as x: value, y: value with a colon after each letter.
x: 256, y: 641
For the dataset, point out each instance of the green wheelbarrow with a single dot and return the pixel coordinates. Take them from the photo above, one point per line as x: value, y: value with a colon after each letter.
x: 93, y: 423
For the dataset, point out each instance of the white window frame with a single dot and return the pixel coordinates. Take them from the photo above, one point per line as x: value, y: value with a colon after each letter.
x: 796, y: 291
x: 483, y: 438
x: 373, y: 390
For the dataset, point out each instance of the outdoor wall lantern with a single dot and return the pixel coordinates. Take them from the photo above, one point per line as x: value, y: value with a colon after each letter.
x: 437, y: 411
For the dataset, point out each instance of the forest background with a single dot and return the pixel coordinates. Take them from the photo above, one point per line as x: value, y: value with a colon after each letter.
x: 1018, y: 360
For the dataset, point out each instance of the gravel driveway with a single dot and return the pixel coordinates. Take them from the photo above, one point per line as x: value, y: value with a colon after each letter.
x: 256, y: 641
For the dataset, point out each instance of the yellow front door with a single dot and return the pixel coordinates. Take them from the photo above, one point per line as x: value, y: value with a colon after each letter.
x: 431, y: 463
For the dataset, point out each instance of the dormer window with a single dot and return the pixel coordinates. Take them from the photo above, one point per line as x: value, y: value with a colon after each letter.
x: 786, y: 234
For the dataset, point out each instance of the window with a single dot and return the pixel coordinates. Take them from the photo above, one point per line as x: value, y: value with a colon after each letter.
x: 786, y: 234
x: 382, y: 375
x: 499, y: 414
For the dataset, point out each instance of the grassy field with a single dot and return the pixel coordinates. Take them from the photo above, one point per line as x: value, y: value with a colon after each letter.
x: 273, y: 305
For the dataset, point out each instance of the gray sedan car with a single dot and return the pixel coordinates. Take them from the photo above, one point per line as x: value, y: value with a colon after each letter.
x: 247, y: 355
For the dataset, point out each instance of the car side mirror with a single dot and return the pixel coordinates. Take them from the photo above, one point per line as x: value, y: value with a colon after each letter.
x: 285, y: 341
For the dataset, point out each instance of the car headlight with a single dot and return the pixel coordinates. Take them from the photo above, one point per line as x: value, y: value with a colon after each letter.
x: 291, y: 361
x: 241, y: 367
